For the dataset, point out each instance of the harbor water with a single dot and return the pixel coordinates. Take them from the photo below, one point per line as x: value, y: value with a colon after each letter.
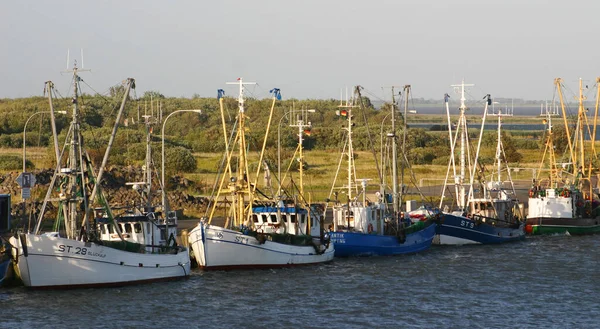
x: 541, y: 282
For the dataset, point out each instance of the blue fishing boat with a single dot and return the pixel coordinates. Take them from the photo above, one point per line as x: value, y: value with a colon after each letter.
x: 486, y: 211
x: 364, y: 227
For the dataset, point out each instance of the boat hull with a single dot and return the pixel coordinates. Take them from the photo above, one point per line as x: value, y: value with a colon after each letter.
x: 217, y: 248
x: 459, y: 230
x: 574, y: 226
x: 6, y: 272
x: 54, y: 262
x: 364, y: 244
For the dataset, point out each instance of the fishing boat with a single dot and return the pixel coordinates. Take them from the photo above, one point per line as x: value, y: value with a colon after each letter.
x: 259, y: 231
x: 566, y: 200
x: 486, y: 212
x: 74, y: 255
x: 364, y: 227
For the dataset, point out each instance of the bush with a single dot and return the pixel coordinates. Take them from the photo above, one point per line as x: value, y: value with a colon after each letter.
x: 13, y: 162
x: 180, y: 159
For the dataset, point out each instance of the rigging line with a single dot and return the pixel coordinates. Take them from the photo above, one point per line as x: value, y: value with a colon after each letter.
x: 373, y: 95
x: 97, y: 93
x: 371, y: 144
x: 221, y: 170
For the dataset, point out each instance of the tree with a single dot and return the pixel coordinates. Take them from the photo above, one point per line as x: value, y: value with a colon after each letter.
x: 153, y: 94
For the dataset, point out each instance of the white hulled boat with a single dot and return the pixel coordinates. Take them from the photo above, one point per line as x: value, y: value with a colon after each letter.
x: 257, y: 233
x: 82, y: 258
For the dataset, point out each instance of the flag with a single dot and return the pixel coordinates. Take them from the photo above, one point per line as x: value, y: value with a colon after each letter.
x: 307, y: 132
x: 344, y: 113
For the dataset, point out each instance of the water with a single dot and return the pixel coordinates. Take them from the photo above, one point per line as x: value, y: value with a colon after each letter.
x: 542, y: 282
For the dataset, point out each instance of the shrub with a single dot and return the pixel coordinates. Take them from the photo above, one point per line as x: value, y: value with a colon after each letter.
x: 13, y: 162
x: 180, y: 159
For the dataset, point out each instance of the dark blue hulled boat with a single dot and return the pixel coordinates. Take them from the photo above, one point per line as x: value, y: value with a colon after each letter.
x: 373, y: 244
x: 487, y: 212
x: 458, y: 229
x: 364, y: 228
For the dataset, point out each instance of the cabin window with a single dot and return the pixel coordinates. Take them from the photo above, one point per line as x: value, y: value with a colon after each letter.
x: 302, y: 218
x: 292, y: 218
x: 137, y: 228
x: 273, y: 218
x: 128, y: 228
x: 255, y: 218
x: 111, y: 229
x: 264, y: 218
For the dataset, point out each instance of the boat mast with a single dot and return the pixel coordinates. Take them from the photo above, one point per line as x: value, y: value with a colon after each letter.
x: 558, y: 82
x: 147, y: 167
x: 580, y: 125
x: 239, y: 184
x: 549, y: 149
x: 462, y: 126
x: 48, y: 89
x: 404, y: 131
x: 302, y: 124
x: 395, y: 197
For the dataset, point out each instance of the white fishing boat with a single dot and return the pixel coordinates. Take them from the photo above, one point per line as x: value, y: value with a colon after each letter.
x: 258, y: 233
x: 81, y: 258
x: 566, y: 199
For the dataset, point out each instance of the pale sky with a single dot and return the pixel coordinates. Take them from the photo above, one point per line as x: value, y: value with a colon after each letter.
x: 307, y: 48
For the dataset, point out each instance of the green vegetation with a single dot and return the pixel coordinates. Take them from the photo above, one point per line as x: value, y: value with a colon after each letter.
x: 194, y: 142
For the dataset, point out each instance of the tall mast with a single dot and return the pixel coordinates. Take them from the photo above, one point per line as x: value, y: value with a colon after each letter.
x: 499, y: 145
x: 462, y: 126
x: 301, y: 123
x: 240, y: 184
x: 74, y: 154
x: 394, y: 157
x: 404, y: 131
x: 350, y: 151
x: 557, y: 82
x: 580, y: 125
x: 148, y: 166
x: 48, y: 89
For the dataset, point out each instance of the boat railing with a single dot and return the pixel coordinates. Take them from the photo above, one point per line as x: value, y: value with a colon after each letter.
x: 491, y: 220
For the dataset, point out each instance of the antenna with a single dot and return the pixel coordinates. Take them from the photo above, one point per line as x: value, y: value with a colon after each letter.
x: 74, y: 68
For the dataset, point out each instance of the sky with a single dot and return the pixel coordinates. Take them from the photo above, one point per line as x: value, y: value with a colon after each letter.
x: 308, y: 48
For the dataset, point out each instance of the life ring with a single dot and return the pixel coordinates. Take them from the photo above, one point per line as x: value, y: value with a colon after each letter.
x: 370, y: 228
